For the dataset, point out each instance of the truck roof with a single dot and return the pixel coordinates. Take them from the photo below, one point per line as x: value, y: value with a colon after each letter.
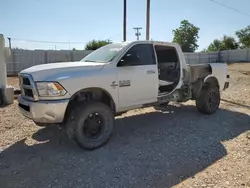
x: 148, y: 42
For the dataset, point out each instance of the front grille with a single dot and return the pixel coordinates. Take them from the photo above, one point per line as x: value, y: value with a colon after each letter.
x: 26, y: 81
x: 28, y: 92
x: 27, y: 87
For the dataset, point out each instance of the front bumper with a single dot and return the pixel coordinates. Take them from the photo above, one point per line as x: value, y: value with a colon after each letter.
x: 43, y: 111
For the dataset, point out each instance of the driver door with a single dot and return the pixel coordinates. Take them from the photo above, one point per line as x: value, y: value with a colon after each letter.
x: 137, y: 77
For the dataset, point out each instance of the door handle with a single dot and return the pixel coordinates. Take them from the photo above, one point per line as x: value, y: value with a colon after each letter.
x: 150, y: 72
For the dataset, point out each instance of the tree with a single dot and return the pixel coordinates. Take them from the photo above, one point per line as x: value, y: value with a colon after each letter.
x: 244, y: 37
x: 186, y: 36
x: 229, y: 43
x: 95, y: 44
x: 214, y: 46
x: 226, y: 43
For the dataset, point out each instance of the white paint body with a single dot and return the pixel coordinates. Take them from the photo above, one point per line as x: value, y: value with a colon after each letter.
x: 219, y: 71
x: 76, y: 76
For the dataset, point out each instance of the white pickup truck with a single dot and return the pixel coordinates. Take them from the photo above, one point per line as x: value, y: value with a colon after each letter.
x: 85, y: 96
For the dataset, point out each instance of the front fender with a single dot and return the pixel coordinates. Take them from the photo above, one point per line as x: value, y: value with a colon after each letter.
x: 102, y: 81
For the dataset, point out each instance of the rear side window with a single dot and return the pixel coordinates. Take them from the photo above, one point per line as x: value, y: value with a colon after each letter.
x: 143, y: 53
x: 166, y: 54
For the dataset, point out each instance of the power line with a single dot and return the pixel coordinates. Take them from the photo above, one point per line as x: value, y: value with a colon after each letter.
x: 229, y: 7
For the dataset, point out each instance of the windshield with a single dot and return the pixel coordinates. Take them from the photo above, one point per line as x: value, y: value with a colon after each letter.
x: 104, y: 54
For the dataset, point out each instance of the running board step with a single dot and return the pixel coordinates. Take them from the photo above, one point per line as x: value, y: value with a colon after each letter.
x: 163, y: 97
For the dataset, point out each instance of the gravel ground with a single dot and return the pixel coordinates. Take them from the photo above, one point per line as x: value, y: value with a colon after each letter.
x: 14, y: 81
x: 239, y: 91
x: 171, y: 147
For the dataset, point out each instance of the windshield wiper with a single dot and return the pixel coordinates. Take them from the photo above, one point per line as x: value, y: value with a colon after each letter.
x: 89, y: 61
x: 95, y: 61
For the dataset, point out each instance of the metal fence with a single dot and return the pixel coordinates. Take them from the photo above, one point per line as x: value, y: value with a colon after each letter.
x: 196, y: 58
x: 241, y: 55
x: 22, y: 59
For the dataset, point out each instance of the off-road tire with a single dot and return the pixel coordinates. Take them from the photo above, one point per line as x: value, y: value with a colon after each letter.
x: 209, y: 100
x: 76, y: 121
x: 42, y: 124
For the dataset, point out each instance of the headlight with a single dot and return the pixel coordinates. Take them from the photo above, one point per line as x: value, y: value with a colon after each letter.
x: 50, y: 89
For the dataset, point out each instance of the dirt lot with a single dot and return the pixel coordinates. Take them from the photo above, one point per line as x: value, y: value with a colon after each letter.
x: 175, y: 146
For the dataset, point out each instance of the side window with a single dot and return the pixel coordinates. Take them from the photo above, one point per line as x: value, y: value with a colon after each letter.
x: 140, y: 54
x: 166, y: 54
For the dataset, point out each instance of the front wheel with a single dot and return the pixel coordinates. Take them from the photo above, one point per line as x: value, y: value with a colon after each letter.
x: 91, y: 125
x: 209, y: 99
x: 42, y: 124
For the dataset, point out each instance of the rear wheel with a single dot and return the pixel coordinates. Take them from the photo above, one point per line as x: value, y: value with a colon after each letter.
x: 209, y: 99
x: 91, y: 125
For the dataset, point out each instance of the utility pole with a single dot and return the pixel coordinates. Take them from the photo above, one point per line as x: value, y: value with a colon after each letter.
x: 148, y: 20
x: 9, y: 42
x: 124, y: 20
x: 137, y: 33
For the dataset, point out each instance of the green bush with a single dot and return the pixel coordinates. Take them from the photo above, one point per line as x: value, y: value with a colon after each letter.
x: 95, y: 44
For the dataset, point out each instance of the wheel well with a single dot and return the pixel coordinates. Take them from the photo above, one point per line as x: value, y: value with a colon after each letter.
x: 212, y: 81
x: 199, y: 84
x: 90, y: 94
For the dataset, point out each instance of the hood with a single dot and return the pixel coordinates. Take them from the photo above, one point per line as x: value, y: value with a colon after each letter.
x: 49, y: 72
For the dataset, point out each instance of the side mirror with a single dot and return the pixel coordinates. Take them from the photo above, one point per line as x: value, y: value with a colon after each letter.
x: 128, y: 60
x: 124, y: 63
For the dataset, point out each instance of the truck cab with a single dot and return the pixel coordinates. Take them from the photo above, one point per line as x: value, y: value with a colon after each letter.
x: 142, y: 71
